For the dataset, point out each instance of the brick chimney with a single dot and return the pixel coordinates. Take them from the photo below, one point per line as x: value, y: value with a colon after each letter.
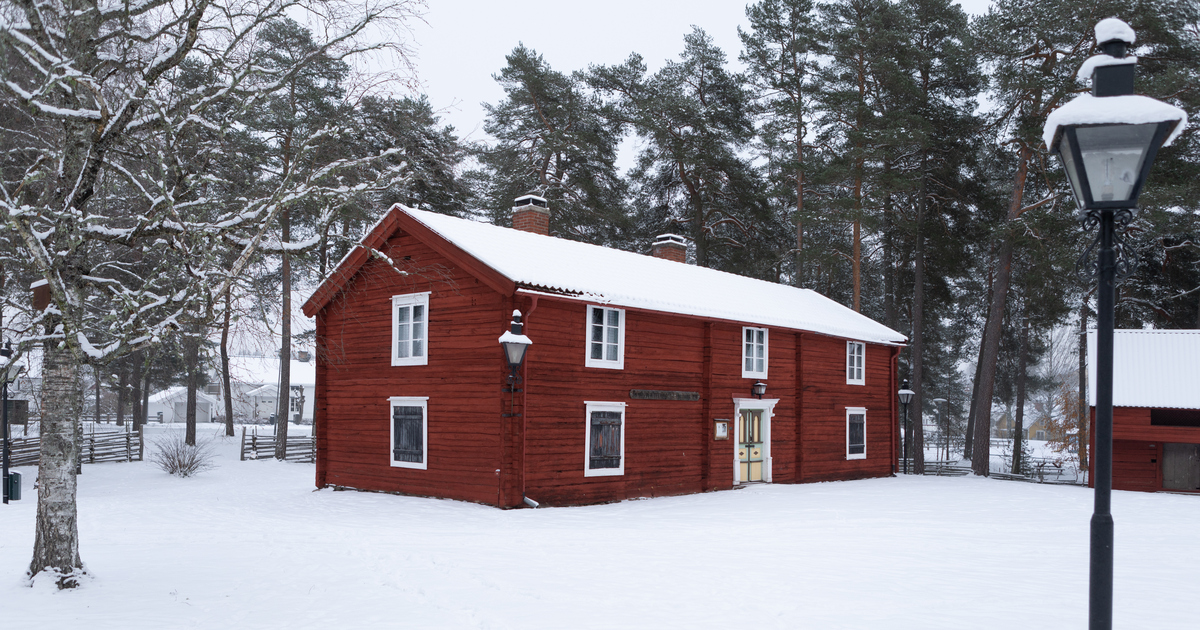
x: 670, y: 247
x: 531, y: 214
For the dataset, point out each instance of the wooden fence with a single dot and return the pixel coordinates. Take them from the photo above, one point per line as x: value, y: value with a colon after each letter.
x: 1044, y: 471
x: 301, y: 448
x: 94, y: 447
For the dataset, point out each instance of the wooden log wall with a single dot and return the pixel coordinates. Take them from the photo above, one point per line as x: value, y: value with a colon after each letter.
x: 1138, y: 448
x: 478, y: 452
x: 462, y: 379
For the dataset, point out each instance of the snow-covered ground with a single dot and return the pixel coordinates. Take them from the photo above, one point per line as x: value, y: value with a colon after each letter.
x: 252, y: 545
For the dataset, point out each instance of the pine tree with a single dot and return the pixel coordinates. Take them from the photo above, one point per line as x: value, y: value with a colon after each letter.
x: 781, y: 65
x: 694, y: 117
x: 553, y: 141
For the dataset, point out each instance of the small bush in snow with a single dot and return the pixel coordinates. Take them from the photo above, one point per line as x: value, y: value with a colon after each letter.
x: 175, y: 457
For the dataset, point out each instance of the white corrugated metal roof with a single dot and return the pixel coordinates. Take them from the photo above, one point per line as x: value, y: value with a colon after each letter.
x: 1151, y: 368
x: 620, y: 278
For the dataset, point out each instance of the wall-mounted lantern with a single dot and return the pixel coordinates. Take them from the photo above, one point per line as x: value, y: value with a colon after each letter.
x: 758, y: 389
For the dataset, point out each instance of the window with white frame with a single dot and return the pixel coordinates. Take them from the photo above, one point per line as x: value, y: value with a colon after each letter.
x: 856, y: 433
x: 606, y: 337
x: 754, y: 352
x: 410, y: 329
x: 604, y: 439
x: 410, y: 431
x: 855, y: 351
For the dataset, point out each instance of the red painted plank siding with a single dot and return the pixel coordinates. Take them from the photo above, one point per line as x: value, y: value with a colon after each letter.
x: 823, y: 416
x: 669, y: 444
x: 462, y: 380
x: 1138, y: 448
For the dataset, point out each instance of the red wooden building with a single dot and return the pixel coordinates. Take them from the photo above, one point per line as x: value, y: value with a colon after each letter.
x: 1156, y: 409
x: 637, y: 384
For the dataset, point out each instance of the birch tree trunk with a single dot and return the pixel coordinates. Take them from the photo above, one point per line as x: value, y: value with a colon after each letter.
x: 56, y: 534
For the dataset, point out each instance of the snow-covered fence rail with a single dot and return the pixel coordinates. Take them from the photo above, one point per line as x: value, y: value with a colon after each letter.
x: 302, y: 448
x: 94, y: 447
x: 940, y: 468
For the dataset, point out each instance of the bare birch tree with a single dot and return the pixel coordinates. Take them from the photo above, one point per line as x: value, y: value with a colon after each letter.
x: 99, y: 93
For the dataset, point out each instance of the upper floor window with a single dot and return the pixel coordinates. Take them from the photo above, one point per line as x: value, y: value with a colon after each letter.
x: 606, y: 337
x: 855, y: 351
x: 410, y: 330
x: 754, y: 353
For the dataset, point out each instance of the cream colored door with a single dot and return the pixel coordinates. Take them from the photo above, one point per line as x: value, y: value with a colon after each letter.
x: 750, y: 445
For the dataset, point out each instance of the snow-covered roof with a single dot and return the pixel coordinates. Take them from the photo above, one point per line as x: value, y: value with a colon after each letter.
x: 265, y: 370
x: 1151, y: 368
x: 619, y: 278
x: 179, y: 394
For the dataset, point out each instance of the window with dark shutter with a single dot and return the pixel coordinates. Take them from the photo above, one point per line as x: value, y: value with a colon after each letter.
x: 407, y: 429
x: 605, y: 439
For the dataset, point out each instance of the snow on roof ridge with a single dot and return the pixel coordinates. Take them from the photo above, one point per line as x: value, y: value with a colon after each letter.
x: 630, y: 279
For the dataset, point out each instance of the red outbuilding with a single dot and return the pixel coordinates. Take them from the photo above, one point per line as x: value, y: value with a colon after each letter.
x: 639, y: 382
x: 1156, y: 409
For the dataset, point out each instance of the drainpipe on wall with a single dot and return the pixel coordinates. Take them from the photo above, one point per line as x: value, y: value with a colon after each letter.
x: 533, y: 302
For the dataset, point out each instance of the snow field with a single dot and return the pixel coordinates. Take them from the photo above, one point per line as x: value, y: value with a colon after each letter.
x: 251, y: 545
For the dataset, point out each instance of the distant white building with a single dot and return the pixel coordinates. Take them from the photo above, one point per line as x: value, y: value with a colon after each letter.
x: 254, y: 382
x: 170, y: 405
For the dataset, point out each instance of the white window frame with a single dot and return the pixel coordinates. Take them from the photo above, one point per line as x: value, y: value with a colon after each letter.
x: 766, y: 349
x: 408, y: 301
x: 619, y: 364
x: 856, y: 411
x: 860, y: 367
x: 591, y: 406
x: 409, y: 401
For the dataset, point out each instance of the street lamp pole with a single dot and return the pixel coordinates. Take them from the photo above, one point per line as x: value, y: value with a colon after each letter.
x: 1107, y: 142
x: 5, y: 357
x: 906, y: 396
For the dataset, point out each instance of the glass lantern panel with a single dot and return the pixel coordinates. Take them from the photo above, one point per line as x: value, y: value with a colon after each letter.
x: 1068, y: 160
x: 1112, y: 158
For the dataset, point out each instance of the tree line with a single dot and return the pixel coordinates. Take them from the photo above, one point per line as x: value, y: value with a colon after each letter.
x: 169, y: 172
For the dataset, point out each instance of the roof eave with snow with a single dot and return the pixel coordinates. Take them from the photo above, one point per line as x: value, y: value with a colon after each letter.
x: 516, y: 260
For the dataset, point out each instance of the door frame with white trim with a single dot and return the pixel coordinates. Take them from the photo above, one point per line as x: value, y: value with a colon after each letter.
x: 767, y: 406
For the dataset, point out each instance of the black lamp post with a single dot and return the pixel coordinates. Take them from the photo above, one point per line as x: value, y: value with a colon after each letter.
x: 1107, y: 141
x: 906, y: 396
x: 5, y: 356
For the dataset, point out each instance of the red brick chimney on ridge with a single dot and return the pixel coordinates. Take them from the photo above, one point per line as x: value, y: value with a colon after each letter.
x: 531, y: 214
x: 670, y: 247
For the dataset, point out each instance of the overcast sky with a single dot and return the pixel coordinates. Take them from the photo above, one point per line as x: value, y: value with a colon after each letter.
x: 463, y: 42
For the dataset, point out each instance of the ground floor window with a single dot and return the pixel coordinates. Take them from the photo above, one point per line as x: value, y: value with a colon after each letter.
x: 604, y: 439
x: 856, y: 433
x: 409, y: 431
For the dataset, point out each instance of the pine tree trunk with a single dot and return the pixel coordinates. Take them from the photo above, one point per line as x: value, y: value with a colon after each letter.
x: 285, y: 352
x: 918, y: 336
x: 56, y: 534
x: 192, y: 359
x: 987, y: 376
x: 122, y: 394
x: 96, y: 375
x: 135, y: 395
x: 1022, y: 365
x: 891, y: 319
x: 799, y: 206
x: 969, y: 433
x: 225, y: 380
